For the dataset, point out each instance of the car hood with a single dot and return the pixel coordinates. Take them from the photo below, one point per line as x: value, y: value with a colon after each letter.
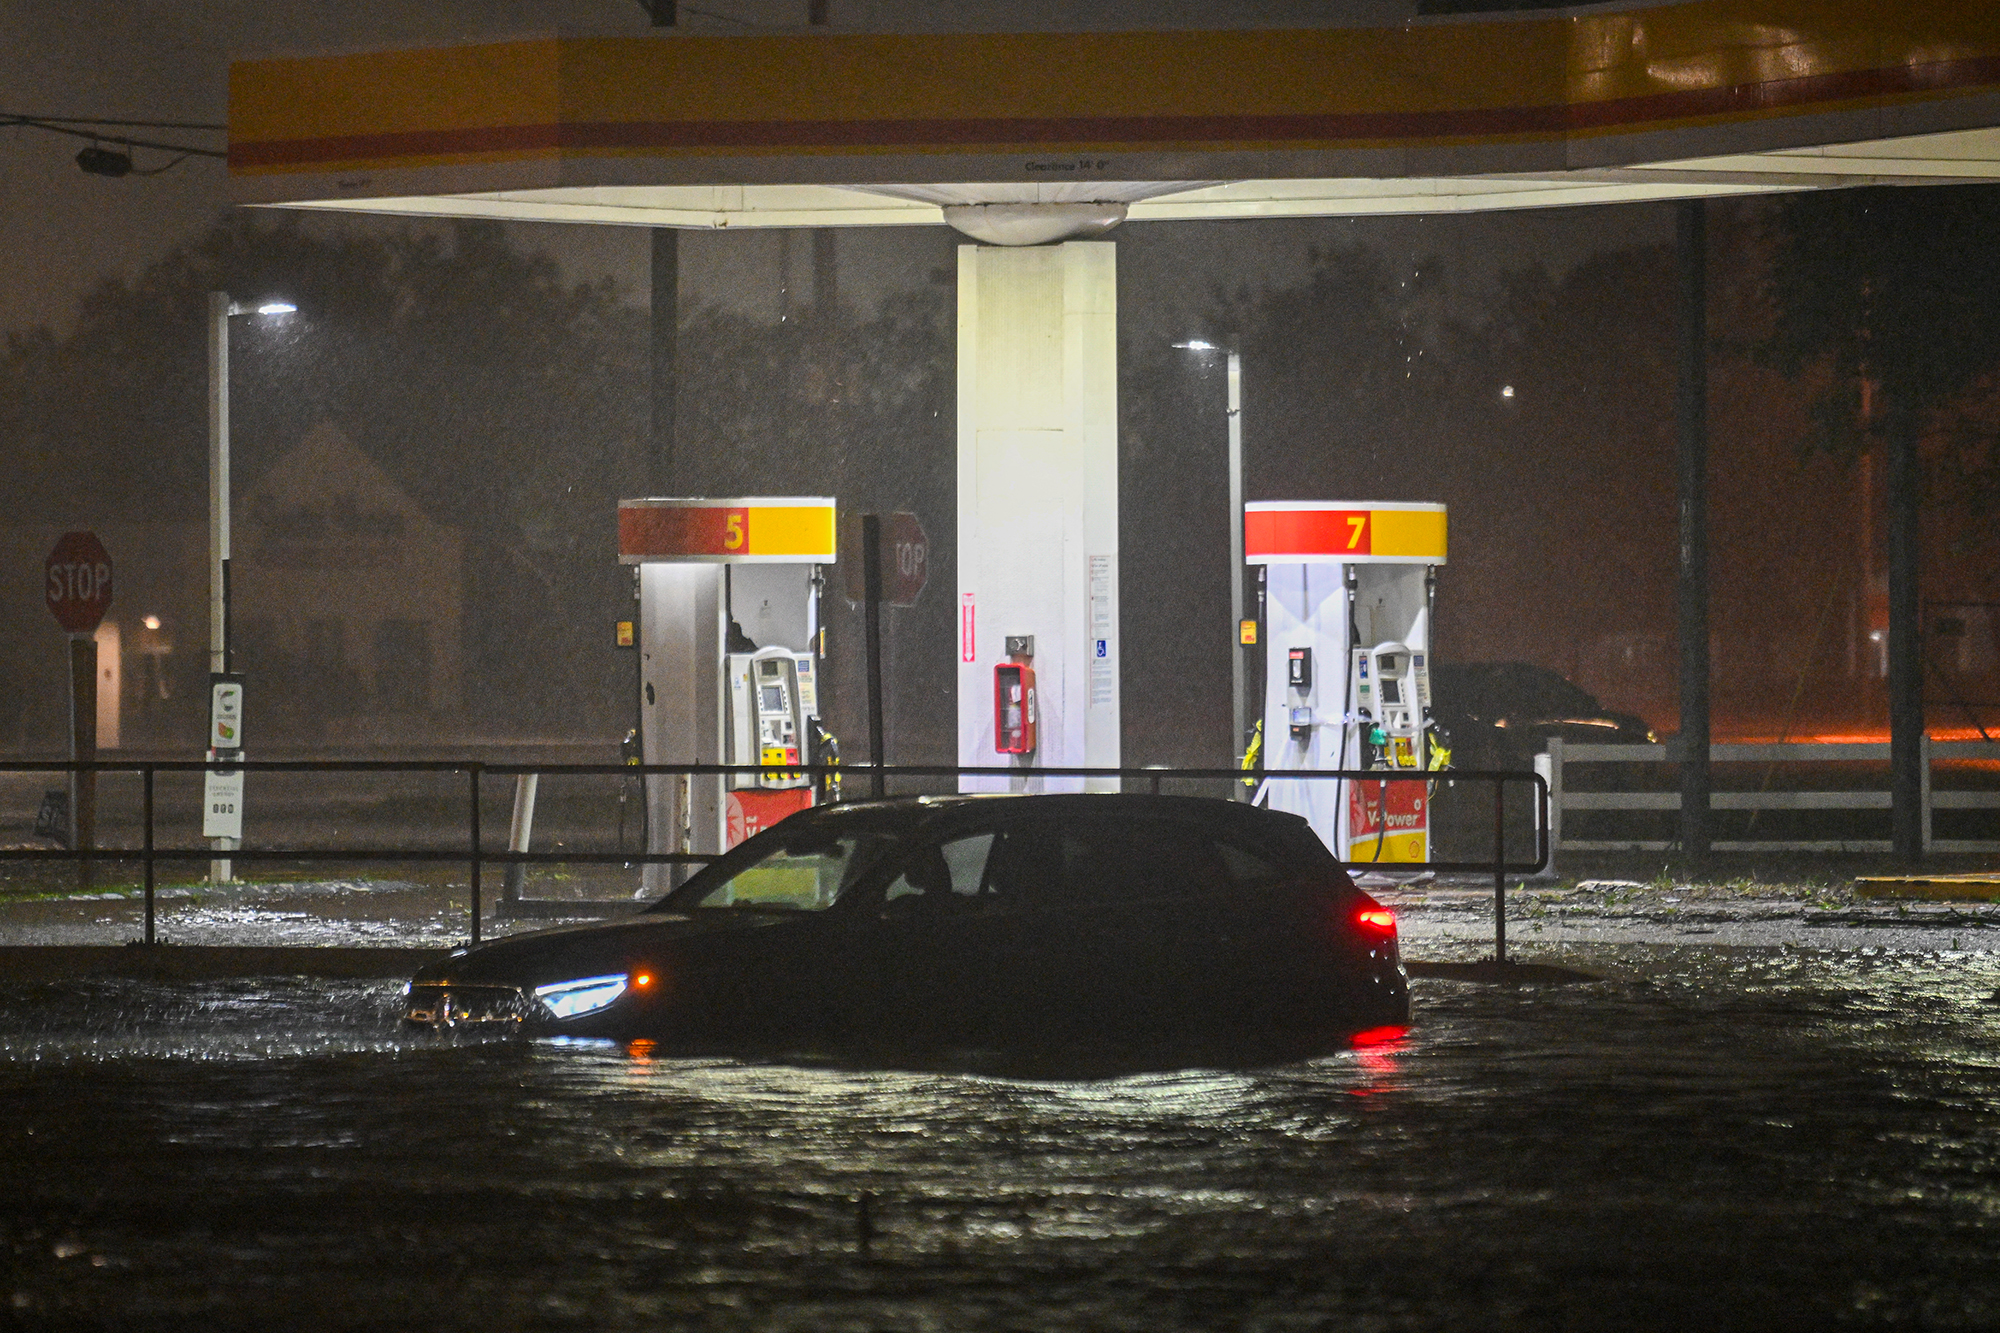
x: 568, y: 952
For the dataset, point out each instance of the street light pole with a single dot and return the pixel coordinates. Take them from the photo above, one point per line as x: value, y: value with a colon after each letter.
x: 1234, y: 366
x: 219, y: 309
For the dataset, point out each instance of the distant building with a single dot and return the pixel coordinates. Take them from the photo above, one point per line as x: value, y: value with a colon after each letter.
x: 347, y: 599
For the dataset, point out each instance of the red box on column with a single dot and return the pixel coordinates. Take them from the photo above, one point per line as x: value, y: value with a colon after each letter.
x: 1014, y: 708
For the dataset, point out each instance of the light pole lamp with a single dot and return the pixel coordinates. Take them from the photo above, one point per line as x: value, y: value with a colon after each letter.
x: 1235, y: 377
x: 220, y: 308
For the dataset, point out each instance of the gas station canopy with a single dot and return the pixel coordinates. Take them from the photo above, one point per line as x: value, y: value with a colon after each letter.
x: 1033, y: 136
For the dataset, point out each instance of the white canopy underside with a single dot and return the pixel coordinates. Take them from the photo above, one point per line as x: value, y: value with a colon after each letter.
x: 1960, y: 156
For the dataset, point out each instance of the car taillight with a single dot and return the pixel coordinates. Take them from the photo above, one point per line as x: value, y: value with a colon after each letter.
x: 1374, y: 918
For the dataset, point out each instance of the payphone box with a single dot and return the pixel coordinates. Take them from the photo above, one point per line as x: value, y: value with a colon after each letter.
x: 1014, y: 708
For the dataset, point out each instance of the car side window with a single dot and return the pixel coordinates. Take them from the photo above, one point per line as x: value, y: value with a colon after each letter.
x: 950, y: 874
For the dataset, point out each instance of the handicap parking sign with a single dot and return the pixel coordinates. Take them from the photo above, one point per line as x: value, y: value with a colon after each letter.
x: 1100, y: 648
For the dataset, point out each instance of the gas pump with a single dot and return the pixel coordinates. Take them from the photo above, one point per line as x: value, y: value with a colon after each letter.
x: 1391, y: 689
x: 1392, y: 693
x: 773, y: 701
x: 1350, y: 584
x: 730, y: 660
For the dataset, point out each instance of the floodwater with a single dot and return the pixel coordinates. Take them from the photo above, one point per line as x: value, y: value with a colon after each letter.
x: 1717, y: 1138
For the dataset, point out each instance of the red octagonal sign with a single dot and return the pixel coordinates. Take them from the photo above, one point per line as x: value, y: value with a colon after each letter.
x: 78, y: 584
x: 906, y: 558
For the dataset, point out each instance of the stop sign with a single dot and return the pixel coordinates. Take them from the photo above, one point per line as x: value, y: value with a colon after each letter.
x: 906, y: 559
x: 78, y: 581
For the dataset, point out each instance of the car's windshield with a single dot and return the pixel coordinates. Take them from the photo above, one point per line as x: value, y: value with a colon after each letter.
x: 806, y: 874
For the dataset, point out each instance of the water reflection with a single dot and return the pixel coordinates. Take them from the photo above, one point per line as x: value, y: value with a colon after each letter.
x: 1375, y: 1053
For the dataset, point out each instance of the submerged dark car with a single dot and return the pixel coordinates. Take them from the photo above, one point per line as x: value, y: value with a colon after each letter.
x: 966, y: 922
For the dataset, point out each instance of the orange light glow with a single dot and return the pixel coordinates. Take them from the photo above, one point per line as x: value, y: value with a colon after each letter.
x: 643, y: 979
x: 641, y: 1051
x: 1871, y: 736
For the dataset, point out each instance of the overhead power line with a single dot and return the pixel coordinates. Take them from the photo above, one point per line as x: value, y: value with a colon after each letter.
x: 103, y: 161
x: 100, y: 120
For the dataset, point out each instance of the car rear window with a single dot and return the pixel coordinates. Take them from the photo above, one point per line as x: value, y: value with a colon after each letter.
x: 1245, y: 867
x: 1123, y: 861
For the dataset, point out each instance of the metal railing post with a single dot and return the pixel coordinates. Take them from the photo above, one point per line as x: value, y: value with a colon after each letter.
x: 1924, y: 790
x: 472, y: 783
x: 1499, y: 870
x: 521, y: 829
x: 146, y: 803
x: 1555, y: 819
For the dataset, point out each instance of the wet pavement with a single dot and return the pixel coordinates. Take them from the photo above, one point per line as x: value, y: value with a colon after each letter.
x: 1792, y: 1122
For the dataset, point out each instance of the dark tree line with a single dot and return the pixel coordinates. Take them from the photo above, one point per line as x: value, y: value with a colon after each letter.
x: 505, y: 401
x: 512, y: 404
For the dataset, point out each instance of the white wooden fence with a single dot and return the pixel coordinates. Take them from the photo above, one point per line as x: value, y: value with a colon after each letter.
x: 1564, y: 797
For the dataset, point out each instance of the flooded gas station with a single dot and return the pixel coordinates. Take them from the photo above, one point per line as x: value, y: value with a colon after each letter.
x: 1664, y: 1065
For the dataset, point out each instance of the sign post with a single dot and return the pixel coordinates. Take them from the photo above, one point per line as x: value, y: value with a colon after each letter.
x: 905, y: 560
x: 76, y: 583
x: 222, y: 788
x: 894, y: 566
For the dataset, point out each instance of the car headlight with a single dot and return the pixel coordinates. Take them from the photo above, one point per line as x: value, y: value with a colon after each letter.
x: 585, y: 995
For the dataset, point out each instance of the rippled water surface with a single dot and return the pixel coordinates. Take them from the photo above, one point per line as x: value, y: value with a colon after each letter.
x: 1716, y: 1139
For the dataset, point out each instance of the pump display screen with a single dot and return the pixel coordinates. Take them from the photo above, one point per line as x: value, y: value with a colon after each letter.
x: 1392, y: 690
x: 774, y: 699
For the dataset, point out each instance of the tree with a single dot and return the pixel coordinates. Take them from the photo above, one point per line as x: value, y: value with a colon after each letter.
x: 1884, y: 300
x: 1890, y: 300
x: 502, y: 400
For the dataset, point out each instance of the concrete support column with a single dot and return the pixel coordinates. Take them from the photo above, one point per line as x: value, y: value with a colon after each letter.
x: 680, y: 699
x: 661, y: 474
x: 1038, y: 499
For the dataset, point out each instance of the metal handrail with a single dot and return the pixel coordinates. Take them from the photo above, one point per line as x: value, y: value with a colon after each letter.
x: 476, y: 855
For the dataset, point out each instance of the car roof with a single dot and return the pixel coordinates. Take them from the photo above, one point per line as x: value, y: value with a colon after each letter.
x: 1501, y: 687
x: 921, y: 811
